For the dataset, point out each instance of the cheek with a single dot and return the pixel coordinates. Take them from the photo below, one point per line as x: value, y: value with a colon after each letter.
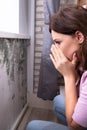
x: 69, y: 54
x: 68, y: 51
x: 69, y: 47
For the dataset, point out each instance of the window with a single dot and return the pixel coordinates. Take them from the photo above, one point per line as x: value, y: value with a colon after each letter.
x: 9, y: 15
x: 14, y: 16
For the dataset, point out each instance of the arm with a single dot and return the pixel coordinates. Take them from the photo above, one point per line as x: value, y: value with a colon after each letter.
x: 67, y: 69
x: 71, y: 100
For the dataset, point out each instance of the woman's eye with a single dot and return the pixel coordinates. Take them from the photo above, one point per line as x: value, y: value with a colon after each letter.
x: 58, y: 42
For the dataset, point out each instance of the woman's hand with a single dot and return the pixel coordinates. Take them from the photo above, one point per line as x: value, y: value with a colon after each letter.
x: 67, y: 69
x: 61, y: 63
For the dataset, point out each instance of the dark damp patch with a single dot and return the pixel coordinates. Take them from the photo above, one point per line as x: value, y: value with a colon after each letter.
x: 13, y: 52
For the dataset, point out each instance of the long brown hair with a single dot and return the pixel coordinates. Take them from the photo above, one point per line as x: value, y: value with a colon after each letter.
x: 67, y: 21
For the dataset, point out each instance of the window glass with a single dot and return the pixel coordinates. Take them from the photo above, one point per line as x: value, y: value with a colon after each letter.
x: 9, y: 16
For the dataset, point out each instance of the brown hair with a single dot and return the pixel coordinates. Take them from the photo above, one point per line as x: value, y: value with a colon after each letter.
x: 67, y: 21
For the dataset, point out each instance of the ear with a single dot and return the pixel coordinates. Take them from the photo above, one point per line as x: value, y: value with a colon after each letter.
x: 79, y: 36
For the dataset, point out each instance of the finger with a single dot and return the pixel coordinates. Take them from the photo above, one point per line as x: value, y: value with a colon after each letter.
x: 58, y: 48
x: 60, y: 52
x: 54, y: 52
x: 53, y: 60
x: 57, y: 51
x: 74, y: 59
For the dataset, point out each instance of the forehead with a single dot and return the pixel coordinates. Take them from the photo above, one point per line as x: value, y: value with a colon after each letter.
x: 59, y: 36
x: 56, y: 35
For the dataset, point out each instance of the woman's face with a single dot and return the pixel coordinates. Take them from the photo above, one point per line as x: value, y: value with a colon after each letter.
x: 68, y: 44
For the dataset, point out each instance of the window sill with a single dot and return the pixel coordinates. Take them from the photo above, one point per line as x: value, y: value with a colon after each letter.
x: 13, y: 35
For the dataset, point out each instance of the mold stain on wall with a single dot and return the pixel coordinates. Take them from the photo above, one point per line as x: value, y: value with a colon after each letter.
x: 13, y: 80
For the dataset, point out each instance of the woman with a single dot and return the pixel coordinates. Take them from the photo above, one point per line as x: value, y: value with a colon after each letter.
x: 69, y: 56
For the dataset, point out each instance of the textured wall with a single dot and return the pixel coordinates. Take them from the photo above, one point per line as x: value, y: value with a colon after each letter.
x: 13, y: 76
x: 39, y: 41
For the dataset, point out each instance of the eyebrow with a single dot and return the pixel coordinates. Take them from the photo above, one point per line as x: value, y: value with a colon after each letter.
x: 56, y: 38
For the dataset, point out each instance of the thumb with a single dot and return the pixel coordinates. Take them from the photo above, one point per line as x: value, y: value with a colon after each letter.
x: 74, y: 60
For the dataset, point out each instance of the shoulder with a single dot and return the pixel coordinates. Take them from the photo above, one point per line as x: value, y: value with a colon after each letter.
x: 83, y: 84
x: 80, y: 111
x: 84, y: 78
